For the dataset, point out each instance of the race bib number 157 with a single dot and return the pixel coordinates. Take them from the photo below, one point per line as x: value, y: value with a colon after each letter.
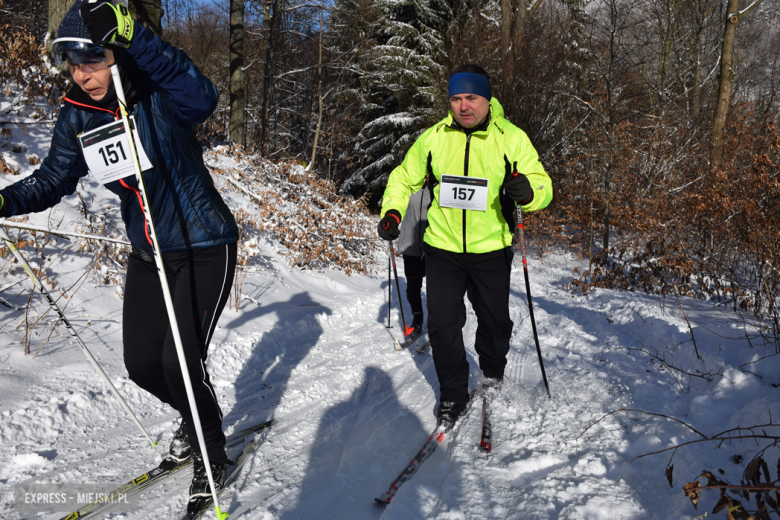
x: 107, y: 152
x: 463, y: 192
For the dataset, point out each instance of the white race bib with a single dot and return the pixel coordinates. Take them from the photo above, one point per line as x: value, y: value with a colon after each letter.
x: 107, y: 152
x: 463, y: 192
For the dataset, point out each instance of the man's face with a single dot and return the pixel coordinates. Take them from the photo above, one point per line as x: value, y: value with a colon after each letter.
x: 469, y: 109
x: 93, y: 78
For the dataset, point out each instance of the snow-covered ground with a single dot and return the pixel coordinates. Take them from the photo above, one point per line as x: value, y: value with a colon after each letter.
x: 311, y: 349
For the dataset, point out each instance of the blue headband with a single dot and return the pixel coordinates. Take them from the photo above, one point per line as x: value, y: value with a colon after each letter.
x: 470, y: 83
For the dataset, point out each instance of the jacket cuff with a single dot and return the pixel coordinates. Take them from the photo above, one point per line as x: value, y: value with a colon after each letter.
x: 395, y: 214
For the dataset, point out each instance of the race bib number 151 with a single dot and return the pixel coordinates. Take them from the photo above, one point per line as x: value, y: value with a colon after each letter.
x: 463, y: 192
x: 107, y: 152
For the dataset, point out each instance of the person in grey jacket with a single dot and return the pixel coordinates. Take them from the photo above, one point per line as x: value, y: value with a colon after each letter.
x: 410, y: 246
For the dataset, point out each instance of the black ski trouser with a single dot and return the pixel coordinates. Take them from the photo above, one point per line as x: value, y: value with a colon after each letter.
x: 485, y: 278
x: 200, y: 282
x: 414, y: 270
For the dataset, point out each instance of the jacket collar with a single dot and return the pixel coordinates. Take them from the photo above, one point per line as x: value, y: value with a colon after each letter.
x: 468, y: 131
x: 81, y: 99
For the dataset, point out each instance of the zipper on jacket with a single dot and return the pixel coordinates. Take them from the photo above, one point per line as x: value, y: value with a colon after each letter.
x: 141, y: 204
x: 466, y: 174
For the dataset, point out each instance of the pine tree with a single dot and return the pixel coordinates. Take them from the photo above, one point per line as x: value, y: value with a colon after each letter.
x: 402, y: 87
x: 349, y: 34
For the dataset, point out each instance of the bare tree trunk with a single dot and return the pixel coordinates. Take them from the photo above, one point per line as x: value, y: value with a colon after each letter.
x: 507, y: 56
x: 148, y: 13
x: 514, y: 20
x: 515, y: 17
x: 57, y: 10
x: 615, y: 28
x: 592, y: 196
x: 726, y: 79
x: 319, y: 96
x: 733, y: 17
x: 237, y: 73
x: 272, y: 15
x: 702, y: 9
x: 607, y: 196
x: 525, y: 13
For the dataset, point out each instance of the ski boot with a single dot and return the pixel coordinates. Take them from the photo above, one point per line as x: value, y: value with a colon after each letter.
x: 200, y: 480
x: 180, y: 449
x: 417, y: 322
x: 491, y: 386
x: 447, y: 413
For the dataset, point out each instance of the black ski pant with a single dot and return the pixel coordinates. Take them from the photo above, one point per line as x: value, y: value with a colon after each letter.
x: 414, y: 270
x: 200, y: 282
x: 485, y: 278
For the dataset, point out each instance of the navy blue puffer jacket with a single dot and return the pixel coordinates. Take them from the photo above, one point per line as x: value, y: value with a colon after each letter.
x: 171, y: 97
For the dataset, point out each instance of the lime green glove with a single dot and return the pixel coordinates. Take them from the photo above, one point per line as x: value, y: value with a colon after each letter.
x: 108, y: 23
x: 5, y: 207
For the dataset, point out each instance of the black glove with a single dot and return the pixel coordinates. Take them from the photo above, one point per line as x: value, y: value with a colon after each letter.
x: 388, y: 226
x: 518, y: 187
x: 107, y: 23
x: 5, y: 207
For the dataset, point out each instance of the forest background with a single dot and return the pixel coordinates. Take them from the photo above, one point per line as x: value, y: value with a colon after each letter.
x: 656, y: 119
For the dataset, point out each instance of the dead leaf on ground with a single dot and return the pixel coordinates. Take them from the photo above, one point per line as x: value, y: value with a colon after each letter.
x: 691, y: 490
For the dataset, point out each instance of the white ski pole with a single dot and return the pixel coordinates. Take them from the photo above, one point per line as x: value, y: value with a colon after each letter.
x: 20, y: 258
x: 120, y: 94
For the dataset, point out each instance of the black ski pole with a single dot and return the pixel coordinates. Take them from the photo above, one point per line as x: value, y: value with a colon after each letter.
x: 389, y: 284
x: 407, y: 330
x: 528, y: 293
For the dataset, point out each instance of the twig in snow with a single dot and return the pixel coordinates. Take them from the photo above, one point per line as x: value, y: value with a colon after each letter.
x: 646, y: 413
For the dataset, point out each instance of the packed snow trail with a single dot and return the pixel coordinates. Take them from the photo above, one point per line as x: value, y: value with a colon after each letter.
x: 311, y: 349
x: 316, y: 355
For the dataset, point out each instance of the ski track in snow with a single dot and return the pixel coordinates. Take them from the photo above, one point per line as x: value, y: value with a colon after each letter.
x: 311, y: 349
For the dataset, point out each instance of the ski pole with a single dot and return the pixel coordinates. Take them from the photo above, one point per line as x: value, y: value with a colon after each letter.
x: 20, y: 258
x: 120, y: 94
x: 528, y: 293
x: 389, y: 287
x: 407, y: 330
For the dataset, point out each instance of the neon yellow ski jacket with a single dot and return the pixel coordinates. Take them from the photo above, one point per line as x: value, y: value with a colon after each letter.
x: 445, y: 149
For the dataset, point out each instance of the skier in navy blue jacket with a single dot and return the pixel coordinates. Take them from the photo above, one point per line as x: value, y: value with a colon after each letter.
x: 167, y: 97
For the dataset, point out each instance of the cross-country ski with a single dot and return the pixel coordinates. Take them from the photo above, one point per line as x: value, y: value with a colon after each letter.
x: 419, y: 349
x: 486, y: 439
x: 166, y: 469
x: 442, y: 430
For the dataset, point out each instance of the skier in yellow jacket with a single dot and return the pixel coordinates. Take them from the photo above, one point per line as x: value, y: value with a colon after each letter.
x: 480, y: 166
